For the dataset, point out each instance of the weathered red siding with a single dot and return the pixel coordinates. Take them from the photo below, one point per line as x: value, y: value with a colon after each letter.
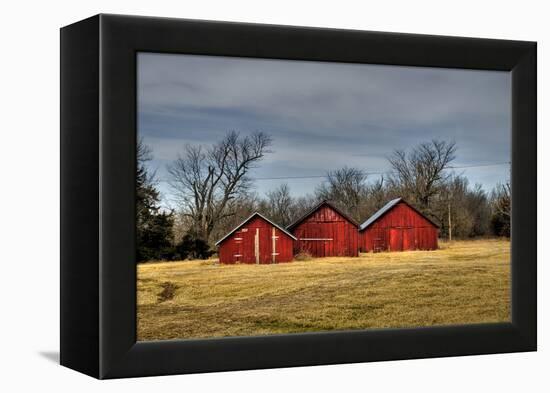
x: 239, y: 247
x: 325, y: 232
x: 401, y: 228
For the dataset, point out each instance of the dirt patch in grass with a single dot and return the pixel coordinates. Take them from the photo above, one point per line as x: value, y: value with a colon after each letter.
x: 168, y: 291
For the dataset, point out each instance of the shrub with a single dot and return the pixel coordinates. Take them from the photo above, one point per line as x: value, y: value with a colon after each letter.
x: 192, y: 247
x: 303, y: 256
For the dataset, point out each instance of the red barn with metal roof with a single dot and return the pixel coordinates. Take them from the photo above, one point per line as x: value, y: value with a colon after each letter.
x: 398, y: 226
x: 325, y: 231
x: 256, y: 240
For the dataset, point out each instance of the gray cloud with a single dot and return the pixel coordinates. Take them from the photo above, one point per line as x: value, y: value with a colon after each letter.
x: 323, y: 115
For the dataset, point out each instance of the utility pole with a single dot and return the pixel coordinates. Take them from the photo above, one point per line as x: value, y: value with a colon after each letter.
x: 450, y: 224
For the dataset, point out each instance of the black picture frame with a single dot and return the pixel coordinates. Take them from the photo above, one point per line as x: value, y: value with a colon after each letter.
x: 98, y: 141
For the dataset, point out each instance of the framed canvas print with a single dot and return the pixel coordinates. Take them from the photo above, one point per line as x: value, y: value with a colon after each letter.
x: 240, y: 196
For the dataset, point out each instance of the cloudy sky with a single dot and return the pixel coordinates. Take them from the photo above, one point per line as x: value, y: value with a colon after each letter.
x: 322, y: 115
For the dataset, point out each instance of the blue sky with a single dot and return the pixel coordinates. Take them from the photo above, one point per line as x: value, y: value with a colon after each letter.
x: 322, y: 115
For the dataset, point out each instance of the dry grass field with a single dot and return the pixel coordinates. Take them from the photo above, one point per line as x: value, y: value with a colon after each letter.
x: 462, y: 282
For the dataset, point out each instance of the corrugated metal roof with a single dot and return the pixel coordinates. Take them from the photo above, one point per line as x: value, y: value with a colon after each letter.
x: 250, y: 218
x: 379, y: 213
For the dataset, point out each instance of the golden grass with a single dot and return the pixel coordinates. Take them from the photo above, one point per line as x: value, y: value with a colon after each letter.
x: 463, y: 282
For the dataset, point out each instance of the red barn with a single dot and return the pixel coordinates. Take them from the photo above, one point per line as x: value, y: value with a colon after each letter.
x: 256, y: 240
x: 398, y: 226
x: 325, y: 231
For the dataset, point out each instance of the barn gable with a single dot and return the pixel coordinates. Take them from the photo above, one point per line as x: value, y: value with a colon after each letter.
x: 325, y: 231
x: 387, y: 207
x: 379, y: 213
x: 398, y: 226
x: 256, y: 214
x: 316, y: 209
x: 256, y: 240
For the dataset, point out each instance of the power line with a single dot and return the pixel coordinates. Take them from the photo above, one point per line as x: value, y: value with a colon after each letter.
x: 375, y: 173
x: 364, y: 172
x: 480, y: 165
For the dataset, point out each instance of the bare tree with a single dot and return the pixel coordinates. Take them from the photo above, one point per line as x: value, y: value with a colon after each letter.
x: 377, y: 195
x: 450, y: 209
x: 501, y: 202
x: 206, y: 179
x: 421, y: 172
x: 241, y: 207
x: 502, y: 199
x: 477, y: 202
x: 302, y: 205
x: 346, y: 187
x: 280, y: 205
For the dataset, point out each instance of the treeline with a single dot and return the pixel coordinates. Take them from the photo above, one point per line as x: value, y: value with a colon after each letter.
x: 215, y: 193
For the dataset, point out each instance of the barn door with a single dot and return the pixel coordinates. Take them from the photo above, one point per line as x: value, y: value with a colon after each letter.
x: 379, y: 242
x: 396, y: 239
x: 408, y: 239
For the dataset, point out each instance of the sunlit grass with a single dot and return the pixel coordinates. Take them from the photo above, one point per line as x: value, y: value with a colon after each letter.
x: 463, y: 282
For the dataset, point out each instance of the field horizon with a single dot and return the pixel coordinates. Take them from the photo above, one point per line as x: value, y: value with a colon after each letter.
x: 462, y: 282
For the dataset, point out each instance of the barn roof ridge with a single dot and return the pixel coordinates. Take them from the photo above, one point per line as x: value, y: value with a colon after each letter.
x: 250, y: 218
x: 387, y: 207
x: 316, y: 207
